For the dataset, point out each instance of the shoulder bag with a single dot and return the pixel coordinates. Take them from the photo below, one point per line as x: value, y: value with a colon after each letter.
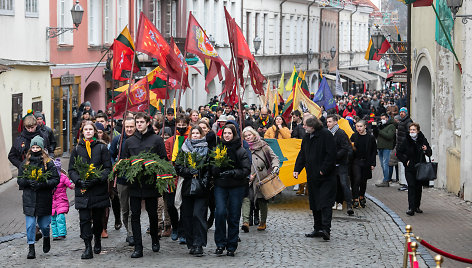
x: 426, y: 171
x: 271, y: 185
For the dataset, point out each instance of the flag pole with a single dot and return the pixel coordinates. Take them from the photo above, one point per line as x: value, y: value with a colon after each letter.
x: 165, y: 105
x: 97, y: 64
x: 236, y: 78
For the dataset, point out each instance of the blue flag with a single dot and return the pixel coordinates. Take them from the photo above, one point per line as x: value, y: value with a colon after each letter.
x: 323, y: 96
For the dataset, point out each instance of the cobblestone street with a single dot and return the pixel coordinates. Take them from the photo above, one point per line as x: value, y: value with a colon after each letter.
x: 369, y: 239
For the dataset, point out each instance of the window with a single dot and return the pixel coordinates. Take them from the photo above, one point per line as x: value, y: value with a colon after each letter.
x: 276, y: 33
x: 174, y: 18
x: 94, y: 22
x: 139, y: 9
x: 157, y: 14
x: 108, y: 22
x: 7, y: 7
x: 64, y: 19
x: 122, y: 14
x: 195, y: 9
x: 31, y: 8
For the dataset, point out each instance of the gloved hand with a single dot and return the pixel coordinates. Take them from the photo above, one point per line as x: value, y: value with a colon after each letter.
x: 87, y: 183
x: 33, y: 184
x: 275, y: 170
x: 227, y: 174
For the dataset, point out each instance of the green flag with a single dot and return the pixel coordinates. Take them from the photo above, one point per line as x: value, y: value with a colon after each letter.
x: 445, y: 15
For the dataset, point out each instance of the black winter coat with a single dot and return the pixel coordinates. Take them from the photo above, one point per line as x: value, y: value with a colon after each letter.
x: 318, y: 153
x: 96, y: 196
x: 241, y: 166
x: 21, y: 146
x: 403, y: 129
x: 134, y: 145
x: 343, y: 147
x: 38, y: 202
x: 298, y: 132
x: 203, y: 175
x: 47, y: 132
x: 370, y: 161
x: 411, y: 150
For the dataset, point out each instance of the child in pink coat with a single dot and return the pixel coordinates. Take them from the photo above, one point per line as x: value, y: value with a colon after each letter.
x: 60, y: 205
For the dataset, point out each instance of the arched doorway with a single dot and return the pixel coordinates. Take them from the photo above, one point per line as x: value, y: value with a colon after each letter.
x: 423, y: 101
x: 92, y: 94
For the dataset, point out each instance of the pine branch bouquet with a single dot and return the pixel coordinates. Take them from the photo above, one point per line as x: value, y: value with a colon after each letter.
x: 34, y: 173
x: 146, y: 168
x: 86, y: 171
x: 220, y: 158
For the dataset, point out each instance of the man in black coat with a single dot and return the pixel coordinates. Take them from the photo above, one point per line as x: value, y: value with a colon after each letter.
x: 402, y: 133
x: 318, y: 156
x: 343, y: 151
x: 143, y: 140
x: 46, y: 132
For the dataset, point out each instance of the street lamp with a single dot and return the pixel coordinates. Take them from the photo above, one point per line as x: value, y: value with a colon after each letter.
x: 257, y: 43
x: 77, y: 13
x: 377, y: 38
x: 333, y: 52
x: 311, y: 55
x: 454, y: 5
x: 212, y: 40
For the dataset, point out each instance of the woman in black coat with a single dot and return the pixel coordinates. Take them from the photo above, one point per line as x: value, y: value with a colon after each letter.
x: 194, y: 206
x: 364, y: 161
x: 91, y: 195
x: 230, y: 188
x: 318, y: 156
x: 37, y: 196
x: 411, y: 152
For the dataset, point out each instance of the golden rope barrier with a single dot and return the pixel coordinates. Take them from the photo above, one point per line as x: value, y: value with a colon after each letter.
x: 439, y: 260
x: 408, y: 235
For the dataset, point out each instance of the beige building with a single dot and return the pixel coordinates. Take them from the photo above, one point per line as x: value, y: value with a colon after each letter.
x: 441, y: 97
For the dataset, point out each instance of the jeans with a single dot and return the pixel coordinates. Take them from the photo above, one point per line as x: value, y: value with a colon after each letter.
x: 86, y: 216
x: 43, y: 222
x: 151, y: 208
x: 228, y: 211
x: 342, y: 173
x: 193, y: 214
x: 58, y: 225
x: 123, y: 194
x: 384, y: 156
x: 263, y: 208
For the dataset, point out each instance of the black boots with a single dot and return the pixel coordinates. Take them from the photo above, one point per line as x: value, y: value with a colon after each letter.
x: 88, y: 250
x: 138, y: 251
x: 46, y: 244
x: 256, y: 216
x: 155, y: 244
x: 97, y: 247
x: 31, y: 252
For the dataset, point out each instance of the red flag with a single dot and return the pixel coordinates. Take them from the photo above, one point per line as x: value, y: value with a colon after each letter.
x: 197, y: 42
x: 422, y: 3
x: 122, y: 61
x: 151, y: 42
x: 242, y: 52
x: 138, y: 100
x: 183, y: 63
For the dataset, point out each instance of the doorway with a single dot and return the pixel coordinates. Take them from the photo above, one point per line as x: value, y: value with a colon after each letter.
x: 424, y: 99
x: 64, y: 106
x: 17, y: 114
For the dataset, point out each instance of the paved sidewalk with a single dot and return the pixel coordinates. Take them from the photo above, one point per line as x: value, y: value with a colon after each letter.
x: 368, y: 239
x: 446, y: 222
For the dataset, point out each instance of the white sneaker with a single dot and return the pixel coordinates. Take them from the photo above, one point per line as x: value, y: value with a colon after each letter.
x: 339, y: 206
x: 296, y: 187
x: 334, y: 207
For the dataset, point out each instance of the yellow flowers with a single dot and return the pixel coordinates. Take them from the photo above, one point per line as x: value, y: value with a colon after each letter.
x: 220, y: 153
x: 191, y: 162
x: 36, y: 174
x: 31, y: 172
x: 90, y: 171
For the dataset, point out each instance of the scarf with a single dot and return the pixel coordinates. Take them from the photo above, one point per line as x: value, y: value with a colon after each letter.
x: 200, y: 146
x: 88, y: 146
x: 334, y: 129
x: 256, y: 144
x: 266, y: 121
x: 233, y: 145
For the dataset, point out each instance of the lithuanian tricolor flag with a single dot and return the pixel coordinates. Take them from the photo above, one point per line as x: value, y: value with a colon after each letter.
x: 125, y: 38
x: 372, y: 54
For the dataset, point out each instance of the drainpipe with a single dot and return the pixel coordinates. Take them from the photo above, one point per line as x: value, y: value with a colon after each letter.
x: 339, y: 50
x: 308, y: 37
x: 320, y: 67
x: 280, y: 38
x: 242, y: 13
x: 350, y: 30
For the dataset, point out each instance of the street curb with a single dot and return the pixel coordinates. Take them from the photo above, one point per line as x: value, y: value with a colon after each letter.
x: 9, y: 238
x: 425, y: 255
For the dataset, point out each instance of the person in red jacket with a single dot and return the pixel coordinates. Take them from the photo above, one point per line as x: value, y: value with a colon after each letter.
x: 349, y: 111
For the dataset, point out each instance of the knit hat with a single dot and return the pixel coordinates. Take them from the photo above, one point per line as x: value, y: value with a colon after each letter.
x: 99, y: 126
x: 38, y: 114
x: 404, y: 109
x: 37, y: 140
x: 87, y: 104
x: 57, y: 163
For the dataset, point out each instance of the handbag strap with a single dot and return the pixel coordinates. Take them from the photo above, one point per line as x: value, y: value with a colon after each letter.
x: 257, y: 173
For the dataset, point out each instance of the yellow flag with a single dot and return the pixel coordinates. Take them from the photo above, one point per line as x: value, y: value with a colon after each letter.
x: 281, y: 85
x: 175, y: 110
x: 344, y: 125
x: 290, y: 82
x: 301, y: 100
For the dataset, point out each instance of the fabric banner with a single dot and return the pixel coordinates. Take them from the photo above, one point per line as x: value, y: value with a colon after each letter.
x: 287, y: 151
x: 445, y: 15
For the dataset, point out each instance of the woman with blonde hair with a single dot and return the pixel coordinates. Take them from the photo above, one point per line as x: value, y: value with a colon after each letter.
x: 264, y: 162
